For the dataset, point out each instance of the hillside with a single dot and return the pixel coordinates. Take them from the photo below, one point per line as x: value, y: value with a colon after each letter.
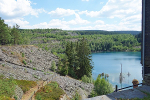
x: 32, y: 63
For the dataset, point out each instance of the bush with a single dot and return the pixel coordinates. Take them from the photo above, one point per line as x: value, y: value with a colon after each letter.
x: 3, y: 65
x: 7, y: 88
x: 24, y: 62
x: 12, y: 53
x: 22, y: 54
x: 34, y: 68
x: 53, y: 66
x: 102, y: 86
x: 25, y: 85
x: 76, y: 96
x: 49, y: 92
x: 86, y: 79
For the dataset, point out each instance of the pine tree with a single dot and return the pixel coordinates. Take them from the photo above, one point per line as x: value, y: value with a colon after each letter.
x: 5, y: 36
x: 85, y: 67
x: 53, y: 66
x: 16, y: 37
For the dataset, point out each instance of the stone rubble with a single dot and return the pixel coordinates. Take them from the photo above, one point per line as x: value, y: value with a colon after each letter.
x: 38, y: 64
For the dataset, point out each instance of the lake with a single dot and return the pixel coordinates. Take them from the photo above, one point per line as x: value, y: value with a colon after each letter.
x: 110, y: 63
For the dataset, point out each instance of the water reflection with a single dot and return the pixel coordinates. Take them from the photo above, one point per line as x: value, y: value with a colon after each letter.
x: 110, y: 63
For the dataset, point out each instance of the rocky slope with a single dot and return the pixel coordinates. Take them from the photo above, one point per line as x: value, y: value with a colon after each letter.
x: 32, y: 63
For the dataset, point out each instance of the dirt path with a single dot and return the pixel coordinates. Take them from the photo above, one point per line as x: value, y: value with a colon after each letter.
x: 30, y: 94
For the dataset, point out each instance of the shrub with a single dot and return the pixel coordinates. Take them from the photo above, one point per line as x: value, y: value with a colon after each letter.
x: 3, y: 97
x: 3, y: 65
x: 30, y: 61
x: 25, y: 85
x: 34, y: 68
x: 15, y: 97
x: 7, y: 88
x: 12, y: 53
x: 86, y: 79
x: 22, y: 54
x: 53, y: 66
x: 24, y: 62
x: 49, y: 92
x: 102, y: 86
x: 35, y: 76
x: 76, y: 96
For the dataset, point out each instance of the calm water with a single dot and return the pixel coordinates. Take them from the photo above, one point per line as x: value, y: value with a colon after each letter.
x: 110, y: 63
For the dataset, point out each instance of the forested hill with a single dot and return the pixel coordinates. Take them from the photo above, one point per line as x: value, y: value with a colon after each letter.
x: 90, y: 32
x: 128, y: 32
x: 55, y: 40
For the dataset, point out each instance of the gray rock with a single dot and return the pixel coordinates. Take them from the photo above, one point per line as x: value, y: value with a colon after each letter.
x: 18, y: 92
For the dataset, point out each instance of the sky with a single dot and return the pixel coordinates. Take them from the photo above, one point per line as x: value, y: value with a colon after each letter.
x: 110, y: 15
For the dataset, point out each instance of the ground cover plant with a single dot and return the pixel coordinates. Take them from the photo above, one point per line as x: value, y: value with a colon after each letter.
x: 49, y: 92
x: 7, y: 88
x: 25, y: 85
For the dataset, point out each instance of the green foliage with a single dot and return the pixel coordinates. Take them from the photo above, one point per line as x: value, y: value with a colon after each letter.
x: 12, y: 53
x: 84, y: 54
x: 102, y: 86
x: 53, y: 66
x: 25, y: 85
x: 49, y: 92
x: 24, y: 62
x: 34, y: 68
x: 15, y: 97
x: 22, y: 54
x: 30, y: 61
x: 5, y: 37
x: 3, y: 65
x: 7, y: 87
x: 16, y: 37
x: 35, y: 76
x: 87, y: 79
x: 76, y: 96
x: 3, y: 97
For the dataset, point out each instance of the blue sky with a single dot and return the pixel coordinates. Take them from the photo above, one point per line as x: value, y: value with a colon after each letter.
x: 110, y: 15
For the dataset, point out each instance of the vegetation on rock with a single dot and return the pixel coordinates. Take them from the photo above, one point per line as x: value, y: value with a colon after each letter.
x: 49, y: 92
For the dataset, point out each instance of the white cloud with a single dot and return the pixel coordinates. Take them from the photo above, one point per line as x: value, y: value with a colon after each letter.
x: 85, y: 0
x: 54, y: 23
x: 16, y: 9
x: 78, y: 20
x: 116, y: 8
x: 60, y: 12
x: 21, y: 22
x: 99, y: 22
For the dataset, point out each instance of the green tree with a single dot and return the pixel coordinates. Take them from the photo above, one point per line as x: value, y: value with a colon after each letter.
x: 102, y: 85
x: 5, y: 36
x: 64, y: 69
x: 53, y: 66
x: 84, y: 54
x: 16, y: 37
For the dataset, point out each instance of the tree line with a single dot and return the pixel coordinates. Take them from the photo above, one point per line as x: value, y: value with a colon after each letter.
x: 10, y: 35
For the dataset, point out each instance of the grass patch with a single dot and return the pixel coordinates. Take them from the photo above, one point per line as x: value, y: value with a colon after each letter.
x: 49, y: 92
x: 25, y: 85
x: 7, y: 88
